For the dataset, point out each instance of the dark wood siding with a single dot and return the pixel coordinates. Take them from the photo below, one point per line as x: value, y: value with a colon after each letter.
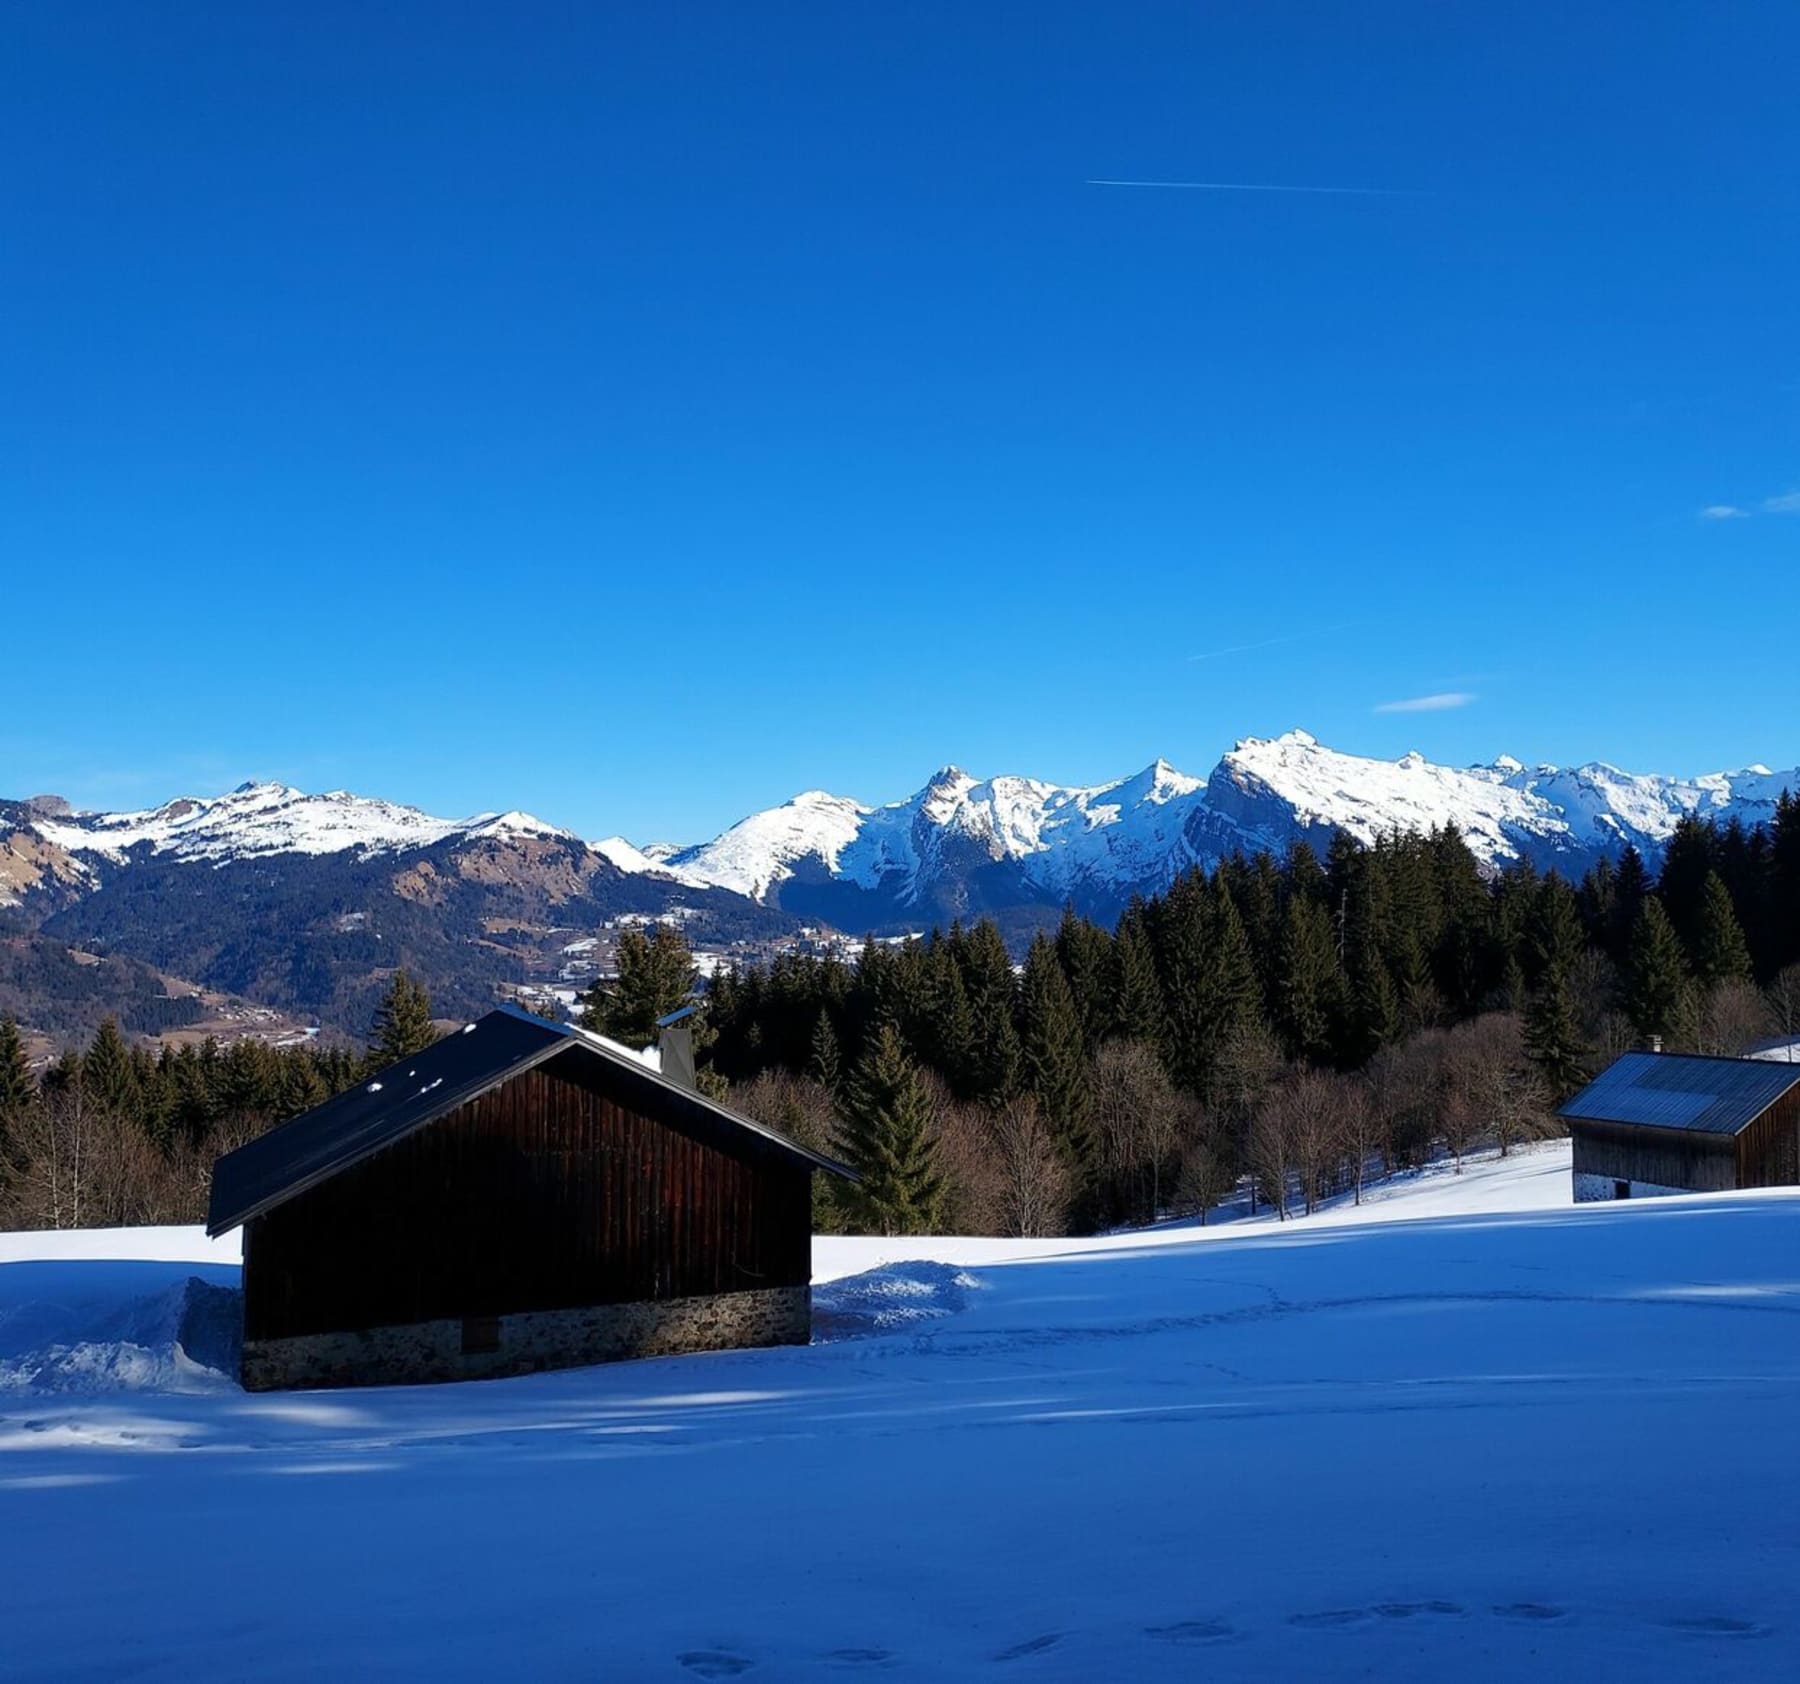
x: 1703, y: 1163
x: 1769, y: 1147
x: 548, y: 1192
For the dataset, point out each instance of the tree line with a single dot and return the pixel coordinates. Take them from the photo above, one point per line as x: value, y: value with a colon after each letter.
x: 1289, y: 1025
x: 114, y: 1134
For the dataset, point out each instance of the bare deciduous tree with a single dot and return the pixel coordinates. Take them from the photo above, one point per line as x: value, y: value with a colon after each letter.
x: 1136, y: 1113
x: 1033, y: 1194
x: 1784, y: 1007
x: 1732, y: 1016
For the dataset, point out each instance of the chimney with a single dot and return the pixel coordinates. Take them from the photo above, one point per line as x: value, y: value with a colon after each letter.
x: 1654, y: 1045
x: 675, y: 1040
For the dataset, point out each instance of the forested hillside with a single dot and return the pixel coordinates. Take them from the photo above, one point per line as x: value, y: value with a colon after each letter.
x: 1299, y: 1020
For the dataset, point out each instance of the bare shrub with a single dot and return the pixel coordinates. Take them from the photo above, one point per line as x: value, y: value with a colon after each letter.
x: 1731, y: 1017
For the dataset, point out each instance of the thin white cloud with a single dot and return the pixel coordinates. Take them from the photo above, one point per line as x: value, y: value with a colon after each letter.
x: 1788, y: 503
x: 1264, y: 187
x: 1271, y: 642
x: 1429, y: 704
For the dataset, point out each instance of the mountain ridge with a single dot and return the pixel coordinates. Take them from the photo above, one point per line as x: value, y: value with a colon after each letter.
x: 303, y: 903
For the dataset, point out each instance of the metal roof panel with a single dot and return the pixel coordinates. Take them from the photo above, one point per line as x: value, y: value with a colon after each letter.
x: 1682, y: 1091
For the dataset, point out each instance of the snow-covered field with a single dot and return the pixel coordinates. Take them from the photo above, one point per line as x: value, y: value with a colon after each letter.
x: 1467, y: 1431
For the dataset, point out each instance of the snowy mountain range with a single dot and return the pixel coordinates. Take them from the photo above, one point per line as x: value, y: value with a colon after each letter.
x: 962, y: 844
x: 966, y: 844
x: 304, y: 903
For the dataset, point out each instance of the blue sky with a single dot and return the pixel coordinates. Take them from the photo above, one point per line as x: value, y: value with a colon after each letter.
x: 638, y: 413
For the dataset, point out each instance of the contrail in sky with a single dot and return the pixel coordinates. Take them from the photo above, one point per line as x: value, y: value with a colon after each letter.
x: 1270, y: 642
x: 1264, y: 187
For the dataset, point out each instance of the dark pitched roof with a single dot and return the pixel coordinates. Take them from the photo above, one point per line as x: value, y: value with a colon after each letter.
x: 1682, y: 1091
x: 406, y: 1096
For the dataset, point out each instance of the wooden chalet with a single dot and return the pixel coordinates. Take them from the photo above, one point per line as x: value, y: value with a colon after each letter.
x: 521, y: 1195
x: 1656, y: 1122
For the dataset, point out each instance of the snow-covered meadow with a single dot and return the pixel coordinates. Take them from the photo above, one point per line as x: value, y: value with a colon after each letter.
x: 1467, y: 1430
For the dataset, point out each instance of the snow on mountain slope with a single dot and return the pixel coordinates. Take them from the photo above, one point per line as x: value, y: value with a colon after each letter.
x: 962, y: 843
x: 270, y: 818
x: 762, y: 850
x: 1273, y: 788
x: 1135, y: 834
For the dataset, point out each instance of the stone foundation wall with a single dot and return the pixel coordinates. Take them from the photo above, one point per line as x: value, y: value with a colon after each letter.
x: 486, y: 1347
x: 1591, y: 1188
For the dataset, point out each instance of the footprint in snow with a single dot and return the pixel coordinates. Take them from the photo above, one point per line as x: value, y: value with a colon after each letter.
x: 1193, y: 1631
x: 714, y: 1663
x: 1406, y: 1610
x: 1540, y: 1611
x: 1716, y: 1625
x: 1330, y: 1619
x: 861, y: 1657
x: 1031, y: 1646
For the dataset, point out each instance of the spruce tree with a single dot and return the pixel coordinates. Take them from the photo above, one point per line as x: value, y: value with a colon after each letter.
x: 401, y: 1028
x: 1681, y: 884
x: 1720, y: 954
x: 1139, y: 1012
x: 824, y: 1063
x: 1054, y: 1065
x: 656, y: 976
x: 988, y: 978
x: 1234, y: 992
x: 1184, y: 960
x: 17, y: 1089
x: 886, y: 1126
x: 1631, y: 886
x: 108, y: 1076
x: 1553, y: 1038
x: 1085, y: 953
x: 1784, y: 883
x: 1306, y: 980
x: 1655, y: 972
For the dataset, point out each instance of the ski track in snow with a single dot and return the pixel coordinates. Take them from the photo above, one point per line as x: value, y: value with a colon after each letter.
x: 1466, y: 1431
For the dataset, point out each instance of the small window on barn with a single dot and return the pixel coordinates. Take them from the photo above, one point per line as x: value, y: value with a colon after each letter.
x: 1621, y: 1189
x: 480, y: 1335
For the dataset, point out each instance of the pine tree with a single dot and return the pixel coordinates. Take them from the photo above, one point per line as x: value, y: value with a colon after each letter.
x: 1307, y: 980
x: 1085, y: 953
x: 1054, y: 1067
x: 1784, y: 883
x: 1656, y: 972
x: 401, y: 1028
x: 17, y: 1089
x: 824, y: 1063
x: 108, y: 1076
x: 1234, y: 993
x: 656, y: 976
x: 1631, y: 886
x: 1681, y: 884
x: 1720, y: 954
x: 1553, y: 1038
x: 1139, y: 1013
x: 302, y: 1087
x: 988, y: 978
x: 887, y: 1130
x: 1184, y: 955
